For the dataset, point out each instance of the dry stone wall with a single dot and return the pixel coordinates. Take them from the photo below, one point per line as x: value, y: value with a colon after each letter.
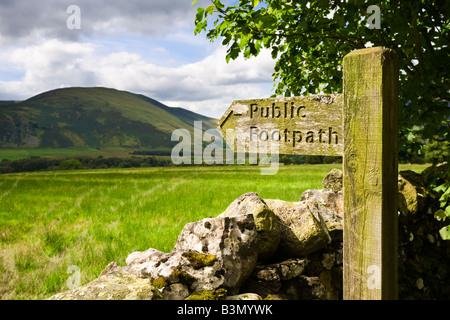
x: 273, y: 249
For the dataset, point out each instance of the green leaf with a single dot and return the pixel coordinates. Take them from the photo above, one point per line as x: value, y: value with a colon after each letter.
x: 274, y: 52
x: 226, y: 39
x: 218, y: 4
x: 445, y: 233
x: 233, y: 52
x: 445, y: 196
x: 209, y: 10
x: 440, y: 215
x: 199, y: 15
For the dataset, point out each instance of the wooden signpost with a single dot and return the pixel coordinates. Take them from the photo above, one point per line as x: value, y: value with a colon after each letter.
x: 301, y: 125
x: 361, y: 125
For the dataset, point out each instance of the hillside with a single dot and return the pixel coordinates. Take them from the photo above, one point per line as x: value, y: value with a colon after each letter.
x: 97, y: 118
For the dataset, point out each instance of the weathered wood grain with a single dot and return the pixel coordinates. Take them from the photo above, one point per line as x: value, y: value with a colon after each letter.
x: 370, y: 174
x: 310, y: 125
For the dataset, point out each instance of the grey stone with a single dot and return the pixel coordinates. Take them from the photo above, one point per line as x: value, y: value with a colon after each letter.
x: 267, y: 223
x: 412, y: 194
x: 331, y: 200
x: 303, y: 229
x: 114, y: 285
x: 285, y: 270
x: 209, y: 254
x: 244, y: 296
x: 333, y: 180
x: 232, y: 240
x: 331, y: 206
x: 175, y: 291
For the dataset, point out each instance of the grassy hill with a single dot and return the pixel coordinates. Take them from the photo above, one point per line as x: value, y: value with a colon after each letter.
x: 86, y: 118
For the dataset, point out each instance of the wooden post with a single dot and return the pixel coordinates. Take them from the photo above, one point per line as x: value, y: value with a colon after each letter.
x: 370, y: 133
x: 370, y: 174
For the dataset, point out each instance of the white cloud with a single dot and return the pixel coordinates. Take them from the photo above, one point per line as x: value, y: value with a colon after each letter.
x: 52, y: 64
x: 207, y: 86
x: 141, y: 46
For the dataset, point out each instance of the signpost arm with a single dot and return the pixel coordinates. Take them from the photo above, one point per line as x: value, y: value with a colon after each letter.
x: 370, y: 174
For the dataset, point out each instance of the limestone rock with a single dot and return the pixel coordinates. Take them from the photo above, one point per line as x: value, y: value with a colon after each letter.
x: 291, y: 280
x: 219, y: 294
x: 112, y: 266
x: 175, y: 291
x: 333, y: 181
x: 436, y: 174
x: 420, y: 247
x: 270, y: 279
x: 285, y: 270
x: 232, y: 240
x: 303, y: 229
x: 332, y: 209
x: 177, y: 273
x: 331, y: 200
x: 411, y: 192
x: 245, y: 296
x: 209, y: 254
x: 266, y: 221
x: 114, y: 285
x: 139, y: 263
x: 312, y: 289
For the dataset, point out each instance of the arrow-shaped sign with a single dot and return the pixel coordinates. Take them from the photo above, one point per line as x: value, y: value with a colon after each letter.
x: 228, y: 116
x: 310, y: 125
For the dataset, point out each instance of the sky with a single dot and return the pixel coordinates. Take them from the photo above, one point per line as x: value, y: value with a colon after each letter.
x: 141, y: 46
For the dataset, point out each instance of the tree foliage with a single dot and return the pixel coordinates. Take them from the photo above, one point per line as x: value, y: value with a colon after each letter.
x: 70, y: 164
x: 309, y: 39
x: 438, y: 178
x: 45, y: 164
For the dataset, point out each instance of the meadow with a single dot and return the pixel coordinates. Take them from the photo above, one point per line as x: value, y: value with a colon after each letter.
x: 51, y: 221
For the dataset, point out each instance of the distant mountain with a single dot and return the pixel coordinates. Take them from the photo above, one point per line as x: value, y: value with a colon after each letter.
x: 93, y: 118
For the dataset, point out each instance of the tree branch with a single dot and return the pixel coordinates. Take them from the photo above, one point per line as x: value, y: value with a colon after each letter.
x: 417, y: 46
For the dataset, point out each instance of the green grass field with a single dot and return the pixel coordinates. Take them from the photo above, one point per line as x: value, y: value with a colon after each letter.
x: 50, y: 221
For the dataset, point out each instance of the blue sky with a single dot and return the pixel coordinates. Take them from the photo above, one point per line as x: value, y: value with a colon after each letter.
x: 142, y: 46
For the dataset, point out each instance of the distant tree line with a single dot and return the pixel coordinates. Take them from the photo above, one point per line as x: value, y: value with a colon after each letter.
x: 76, y: 163
x: 151, y: 152
x: 47, y: 164
x: 435, y: 152
x: 299, y: 159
